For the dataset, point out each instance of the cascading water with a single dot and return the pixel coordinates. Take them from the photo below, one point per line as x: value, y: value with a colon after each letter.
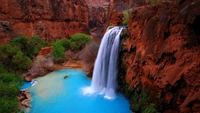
x: 105, y: 69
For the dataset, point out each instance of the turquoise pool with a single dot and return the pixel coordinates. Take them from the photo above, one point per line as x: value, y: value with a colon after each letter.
x: 27, y: 85
x: 54, y: 94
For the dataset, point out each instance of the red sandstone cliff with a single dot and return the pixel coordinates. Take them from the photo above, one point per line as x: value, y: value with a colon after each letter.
x: 98, y: 16
x: 117, y: 7
x: 50, y: 19
x: 162, y: 54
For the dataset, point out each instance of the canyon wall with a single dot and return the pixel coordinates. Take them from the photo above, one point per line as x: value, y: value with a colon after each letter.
x: 161, y: 56
x: 49, y: 19
x: 118, y: 7
x: 98, y: 16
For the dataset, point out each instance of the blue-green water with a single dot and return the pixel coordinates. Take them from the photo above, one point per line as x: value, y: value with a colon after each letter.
x: 27, y: 85
x: 54, y: 94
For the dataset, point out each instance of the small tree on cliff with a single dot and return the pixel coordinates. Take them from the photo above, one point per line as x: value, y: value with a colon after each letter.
x: 22, y: 61
x: 58, y: 50
x: 78, y: 41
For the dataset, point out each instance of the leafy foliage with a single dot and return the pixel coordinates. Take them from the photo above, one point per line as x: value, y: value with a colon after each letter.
x: 126, y: 17
x: 36, y: 43
x: 77, y: 41
x: 21, y: 60
x: 29, y: 47
x: 18, y: 54
x: 1, y: 68
x: 65, y: 43
x: 140, y: 103
x: 153, y: 1
x: 21, y: 42
x: 58, y: 50
x: 9, y: 87
x: 15, y: 57
x: 150, y: 109
x: 7, y: 51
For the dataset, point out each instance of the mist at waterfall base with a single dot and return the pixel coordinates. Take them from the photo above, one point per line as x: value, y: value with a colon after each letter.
x: 54, y: 94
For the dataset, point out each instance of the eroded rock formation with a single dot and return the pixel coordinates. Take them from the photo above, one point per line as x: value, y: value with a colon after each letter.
x: 161, y: 55
x: 50, y: 19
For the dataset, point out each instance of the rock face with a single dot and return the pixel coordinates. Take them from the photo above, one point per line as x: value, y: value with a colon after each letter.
x: 50, y: 19
x: 117, y: 7
x: 161, y: 54
x: 98, y: 16
x: 46, y: 51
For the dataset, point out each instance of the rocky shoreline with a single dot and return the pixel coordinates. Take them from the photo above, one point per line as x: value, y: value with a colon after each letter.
x: 25, y: 97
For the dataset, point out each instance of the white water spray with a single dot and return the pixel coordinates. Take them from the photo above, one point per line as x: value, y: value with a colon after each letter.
x: 105, y: 70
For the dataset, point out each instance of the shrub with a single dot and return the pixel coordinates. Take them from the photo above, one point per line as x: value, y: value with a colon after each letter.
x: 153, y: 1
x: 21, y: 42
x: 1, y: 68
x: 9, y: 88
x: 36, y: 43
x: 58, y: 50
x: 22, y: 61
x: 65, y: 43
x: 77, y: 41
x: 141, y: 103
x: 12, y: 57
x: 8, y: 105
x: 30, y: 47
x: 150, y: 109
x: 126, y: 17
x: 7, y: 51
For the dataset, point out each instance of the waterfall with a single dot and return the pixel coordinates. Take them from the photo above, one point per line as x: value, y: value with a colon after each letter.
x: 105, y: 69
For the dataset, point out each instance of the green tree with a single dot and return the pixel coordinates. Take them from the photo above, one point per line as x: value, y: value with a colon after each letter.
x: 7, y: 51
x: 22, y: 43
x: 1, y: 68
x: 22, y: 61
x: 58, y: 50
x: 30, y: 47
x: 77, y: 41
x: 9, y: 89
x: 153, y: 1
x: 65, y: 43
x: 35, y: 44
